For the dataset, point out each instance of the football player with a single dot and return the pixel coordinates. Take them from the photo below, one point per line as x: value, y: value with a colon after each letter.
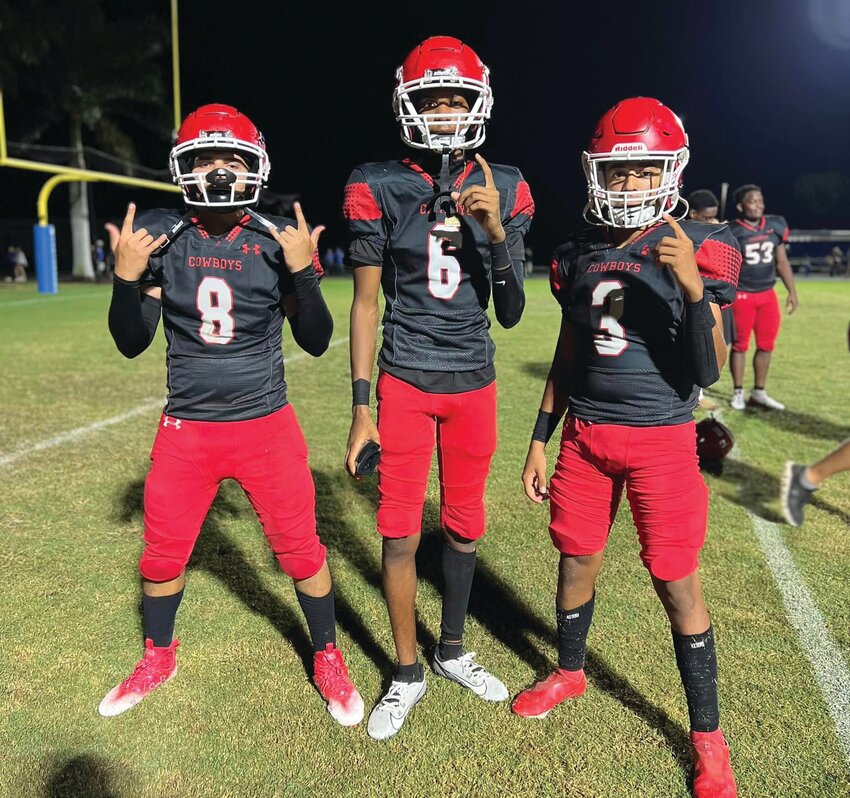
x: 223, y: 278
x: 441, y: 232
x: 799, y: 482
x: 762, y: 240
x: 640, y: 332
x: 703, y: 206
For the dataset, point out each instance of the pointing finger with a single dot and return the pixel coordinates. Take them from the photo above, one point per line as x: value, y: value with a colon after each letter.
x: 299, y: 215
x: 488, y: 172
x: 127, y: 228
x: 675, y: 227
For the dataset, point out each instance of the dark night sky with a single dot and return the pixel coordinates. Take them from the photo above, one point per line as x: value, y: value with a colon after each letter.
x: 764, y: 97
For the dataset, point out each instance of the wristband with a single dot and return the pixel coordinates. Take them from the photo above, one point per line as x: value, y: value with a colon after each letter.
x: 500, y: 256
x: 545, y: 425
x: 360, y: 390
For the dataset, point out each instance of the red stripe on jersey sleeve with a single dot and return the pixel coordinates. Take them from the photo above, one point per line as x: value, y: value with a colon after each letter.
x: 359, y: 203
x: 524, y: 201
x: 554, y: 278
x: 785, y: 233
x: 719, y: 261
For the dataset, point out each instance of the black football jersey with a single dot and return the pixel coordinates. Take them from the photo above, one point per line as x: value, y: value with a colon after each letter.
x: 627, y: 313
x: 221, y: 309
x: 436, y: 294
x: 758, y: 247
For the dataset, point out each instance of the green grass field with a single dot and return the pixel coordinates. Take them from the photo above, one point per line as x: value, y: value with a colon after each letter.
x: 242, y: 719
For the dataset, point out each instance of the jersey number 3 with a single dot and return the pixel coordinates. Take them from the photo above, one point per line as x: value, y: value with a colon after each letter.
x: 614, y: 343
x: 215, y: 301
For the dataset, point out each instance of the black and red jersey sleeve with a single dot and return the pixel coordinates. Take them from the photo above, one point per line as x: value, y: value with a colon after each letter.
x: 718, y: 257
x: 780, y: 227
x: 559, y: 273
x: 362, y: 210
x: 156, y: 221
x: 518, y: 218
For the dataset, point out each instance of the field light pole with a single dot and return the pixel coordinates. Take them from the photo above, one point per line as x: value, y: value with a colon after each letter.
x: 175, y: 66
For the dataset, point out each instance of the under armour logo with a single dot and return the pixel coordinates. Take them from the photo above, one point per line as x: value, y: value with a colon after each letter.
x: 645, y: 251
x: 247, y: 249
x: 175, y: 422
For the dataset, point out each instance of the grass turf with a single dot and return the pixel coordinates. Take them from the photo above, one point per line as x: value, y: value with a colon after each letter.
x: 242, y: 719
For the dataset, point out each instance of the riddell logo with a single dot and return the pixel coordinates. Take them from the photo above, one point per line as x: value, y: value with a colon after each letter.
x: 637, y: 147
x: 448, y: 72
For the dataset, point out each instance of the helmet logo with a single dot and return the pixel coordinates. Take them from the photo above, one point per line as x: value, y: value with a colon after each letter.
x: 635, y: 147
x: 447, y: 72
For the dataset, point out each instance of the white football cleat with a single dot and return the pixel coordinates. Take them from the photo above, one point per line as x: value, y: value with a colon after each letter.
x: 468, y: 673
x: 392, y: 710
x: 759, y: 397
x: 737, y: 402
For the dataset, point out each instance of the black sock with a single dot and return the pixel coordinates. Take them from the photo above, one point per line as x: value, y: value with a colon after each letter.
x: 409, y: 673
x: 458, y: 570
x: 697, y: 661
x: 573, y: 626
x: 159, y: 613
x: 320, y: 615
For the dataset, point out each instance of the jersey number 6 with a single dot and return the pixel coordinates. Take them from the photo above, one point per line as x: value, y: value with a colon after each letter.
x: 443, y: 269
x: 215, y: 301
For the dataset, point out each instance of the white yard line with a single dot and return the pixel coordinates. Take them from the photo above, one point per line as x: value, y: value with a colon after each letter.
x: 82, y: 432
x: 50, y: 299
x: 830, y: 668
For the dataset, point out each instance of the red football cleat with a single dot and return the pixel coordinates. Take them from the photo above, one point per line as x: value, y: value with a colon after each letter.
x: 157, y: 666
x: 330, y: 675
x: 538, y: 700
x: 713, y: 777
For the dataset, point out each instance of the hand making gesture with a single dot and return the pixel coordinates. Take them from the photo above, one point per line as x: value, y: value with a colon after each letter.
x: 298, y: 244
x: 482, y: 202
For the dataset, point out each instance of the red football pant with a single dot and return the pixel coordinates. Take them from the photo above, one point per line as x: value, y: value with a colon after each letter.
x: 267, y: 456
x: 667, y: 494
x: 759, y: 312
x: 409, y: 422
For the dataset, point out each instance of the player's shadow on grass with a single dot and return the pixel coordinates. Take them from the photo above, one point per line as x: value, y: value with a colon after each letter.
x: 87, y: 776
x: 494, y: 604
x: 803, y: 424
x: 755, y: 490
x: 539, y: 371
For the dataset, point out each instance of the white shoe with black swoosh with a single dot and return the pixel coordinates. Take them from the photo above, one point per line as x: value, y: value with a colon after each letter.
x: 391, y: 711
x: 467, y: 672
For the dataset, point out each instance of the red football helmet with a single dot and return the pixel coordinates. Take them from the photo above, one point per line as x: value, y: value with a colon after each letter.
x: 638, y: 129
x: 219, y: 127
x: 714, y: 440
x: 437, y: 62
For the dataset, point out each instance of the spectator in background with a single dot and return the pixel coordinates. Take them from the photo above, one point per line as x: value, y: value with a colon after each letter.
x: 835, y: 259
x: 328, y: 260
x: 19, y: 263
x: 339, y: 260
x: 99, y: 257
x: 529, y: 261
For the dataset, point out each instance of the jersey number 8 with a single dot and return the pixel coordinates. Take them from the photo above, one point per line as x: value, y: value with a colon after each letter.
x: 215, y: 301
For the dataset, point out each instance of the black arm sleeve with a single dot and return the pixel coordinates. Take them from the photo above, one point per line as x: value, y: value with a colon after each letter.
x: 508, y: 293
x: 133, y: 317
x: 699, y: 340
x: 312, y: 324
